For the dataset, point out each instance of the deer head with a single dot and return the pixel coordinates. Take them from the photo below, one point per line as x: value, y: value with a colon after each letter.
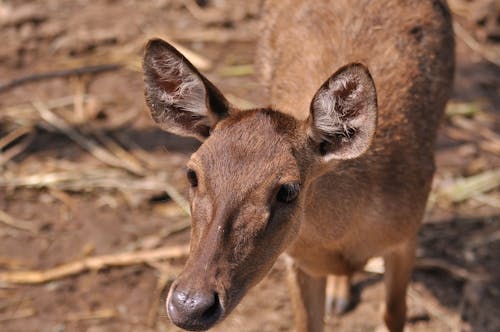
x: 250, y: 175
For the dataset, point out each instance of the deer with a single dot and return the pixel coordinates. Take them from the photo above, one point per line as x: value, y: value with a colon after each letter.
x: 335, y: 170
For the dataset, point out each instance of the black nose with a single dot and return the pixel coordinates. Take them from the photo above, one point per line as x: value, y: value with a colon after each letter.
x: 193, y: 310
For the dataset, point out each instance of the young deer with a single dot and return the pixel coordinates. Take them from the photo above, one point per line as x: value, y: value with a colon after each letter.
x: 335, y: 172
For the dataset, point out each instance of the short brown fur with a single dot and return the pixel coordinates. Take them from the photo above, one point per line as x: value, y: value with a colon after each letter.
x: 366, y: 199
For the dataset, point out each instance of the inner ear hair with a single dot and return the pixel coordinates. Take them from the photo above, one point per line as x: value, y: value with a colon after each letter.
x: 181, y: 99
x: 344, y: 113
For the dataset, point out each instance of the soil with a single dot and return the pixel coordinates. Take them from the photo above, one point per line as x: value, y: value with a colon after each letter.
x: 47, y: 35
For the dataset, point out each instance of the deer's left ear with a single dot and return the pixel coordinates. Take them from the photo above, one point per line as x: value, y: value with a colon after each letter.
x: 344, y: 114
x: 181, y: 100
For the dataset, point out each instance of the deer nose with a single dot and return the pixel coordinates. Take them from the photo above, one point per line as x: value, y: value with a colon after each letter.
x: 194, y: 311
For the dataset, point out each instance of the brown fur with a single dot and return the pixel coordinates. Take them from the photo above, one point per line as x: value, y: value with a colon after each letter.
x: 349, y: 208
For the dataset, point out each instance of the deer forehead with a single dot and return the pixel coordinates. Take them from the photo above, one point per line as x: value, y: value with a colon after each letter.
x: 249, y: 152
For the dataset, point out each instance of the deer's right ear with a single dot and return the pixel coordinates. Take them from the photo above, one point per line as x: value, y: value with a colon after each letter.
x: 182, y: 101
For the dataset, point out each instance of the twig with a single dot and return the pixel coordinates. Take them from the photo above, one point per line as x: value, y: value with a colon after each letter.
x: 493, y: 57
x: 143, y: 157
x: 471, y: 186
x: 462, y: 109
x: 483, y: 240
x: 127, y: 56
x: 63, y: 197
x: 456, y: 271
x: 19, y: 113
x: 88, y: 144
x: 457, y: 134
x: 474, y: 127
x: 80, y: 87
x: 136, y: 150
x: 207, y: 16
x: 128, y: 159
x: 164, y: 279
x: 58, y: 74
x: 487, y: 200
x: 458, y: 8
x: 196, y: 59
x: 376, y: 265
x: 20, y: 314
x: 154, y: 240
x: 178, y: 228
x: 12, y: 136
x: 25, y: 115
x: 119, y: 158
x: 177, y: 197
x: 237, y: 70
x: 9, y: 263
x: 93, y: 264
x: 487, y: 139
x: 240, y: 102
x: 103, y: 155
x: 18, y: 224
x: 491, y: 147
x: 14, y: 151
x: 14, y: 302
x: 213, y: 35
x: 86, y: 180
x: 105, y: 313
x: 434, y: 308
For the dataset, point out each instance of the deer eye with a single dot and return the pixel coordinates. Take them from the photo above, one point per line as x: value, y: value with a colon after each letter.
x: 288, y: 192
x: 192, y: 178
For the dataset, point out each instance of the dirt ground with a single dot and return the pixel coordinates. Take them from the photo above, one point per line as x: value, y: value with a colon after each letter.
x: 61, y: 200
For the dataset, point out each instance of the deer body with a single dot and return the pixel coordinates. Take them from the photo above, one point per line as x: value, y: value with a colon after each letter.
x: 377, y: 200
x: 337, y: 171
